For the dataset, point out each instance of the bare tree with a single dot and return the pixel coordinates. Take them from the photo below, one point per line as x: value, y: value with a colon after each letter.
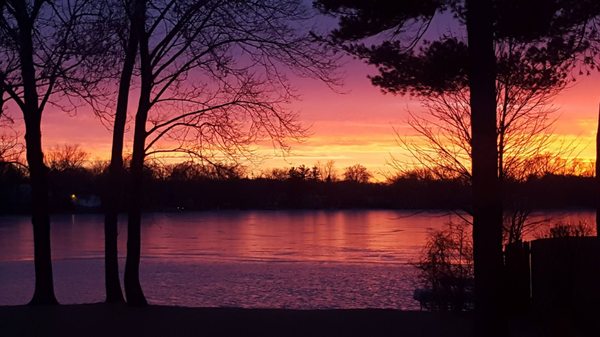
x: 401, y: 70
x: 523, y: 115
x: 40, y: 44
x: 191, y: 171
x: 66, y: 157
x: 357, y: 173
x: 275, y: 174
x: 446, y: 269
x: 328, y: 170
x: 548, y: 163
x: 11, y: 149
x: 212, y: 83
x: 132, y: 10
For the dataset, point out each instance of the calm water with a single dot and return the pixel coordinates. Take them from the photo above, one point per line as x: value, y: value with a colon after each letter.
x: 283, y: 259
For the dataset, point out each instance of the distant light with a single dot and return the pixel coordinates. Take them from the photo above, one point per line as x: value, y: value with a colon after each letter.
x: 73, y: 197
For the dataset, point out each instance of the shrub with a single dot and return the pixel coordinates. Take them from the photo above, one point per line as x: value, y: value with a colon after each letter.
x: 563, y: 230
x: 446, y: 270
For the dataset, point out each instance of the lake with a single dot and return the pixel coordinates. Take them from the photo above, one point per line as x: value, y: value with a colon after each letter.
x: 260, y: 259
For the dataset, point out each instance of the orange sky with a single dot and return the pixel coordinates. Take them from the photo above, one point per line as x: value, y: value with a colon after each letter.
x: 355, y: 126
x: 351, y: 127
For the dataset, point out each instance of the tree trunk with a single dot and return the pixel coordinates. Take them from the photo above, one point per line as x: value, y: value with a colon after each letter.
x: 38, y: 172
x: 598, y: 176
x: 111, y: 254
x: 487, y: 202
x: 40, y: 219
x: 115, y: 173
x: 133, y: 289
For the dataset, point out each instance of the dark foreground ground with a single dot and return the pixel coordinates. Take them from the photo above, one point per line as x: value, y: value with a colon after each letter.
x: 106, y: 320
x: 115, y: 320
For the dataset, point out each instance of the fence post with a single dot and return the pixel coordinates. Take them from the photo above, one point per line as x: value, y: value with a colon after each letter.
x: 517, y: 277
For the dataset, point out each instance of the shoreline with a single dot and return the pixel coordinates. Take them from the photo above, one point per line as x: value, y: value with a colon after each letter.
x: 120, y: 320
x: 101, y: 319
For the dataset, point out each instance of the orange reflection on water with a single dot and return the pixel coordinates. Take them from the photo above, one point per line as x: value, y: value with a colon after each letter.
x: 360, y: 236
x: 325, y: 236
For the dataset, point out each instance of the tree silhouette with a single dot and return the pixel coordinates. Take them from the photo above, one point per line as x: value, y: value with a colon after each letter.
x: 328, y: 170
x: 362, y: 20
x: 557, y: 29
x: 12, y: 168
x: 525, y: 84
x: 212, y: 83
x: 193, y: 171
x: 112, y: 195
x: 66, y: 157
x: 597, y: 176
x: 11, y: 149
x: 357, y: 174
x: 43, y: 53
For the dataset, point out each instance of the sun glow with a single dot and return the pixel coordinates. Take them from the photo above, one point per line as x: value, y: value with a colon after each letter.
x: 358, y: 125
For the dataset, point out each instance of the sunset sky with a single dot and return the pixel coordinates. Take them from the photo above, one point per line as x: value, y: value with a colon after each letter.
x: 354, y: 126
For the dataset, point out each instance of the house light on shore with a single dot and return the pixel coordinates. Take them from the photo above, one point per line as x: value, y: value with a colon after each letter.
x: 73, y: 197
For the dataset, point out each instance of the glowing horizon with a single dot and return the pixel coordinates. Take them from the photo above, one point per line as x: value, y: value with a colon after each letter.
x: 355, y: 126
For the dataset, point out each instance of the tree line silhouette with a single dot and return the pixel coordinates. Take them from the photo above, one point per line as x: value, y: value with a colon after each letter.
x: 193, y: 186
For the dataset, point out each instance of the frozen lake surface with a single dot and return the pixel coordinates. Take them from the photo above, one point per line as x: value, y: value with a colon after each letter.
x: 259, y: 259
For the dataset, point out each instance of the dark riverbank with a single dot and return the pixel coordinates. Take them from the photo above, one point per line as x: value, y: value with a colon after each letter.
x: 115, y: 320
x: 118, y: 320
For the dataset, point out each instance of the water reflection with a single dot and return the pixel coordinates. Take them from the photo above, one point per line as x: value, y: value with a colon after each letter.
x: 328, y: 236
x: 343, y: 236
x: 335, y: 259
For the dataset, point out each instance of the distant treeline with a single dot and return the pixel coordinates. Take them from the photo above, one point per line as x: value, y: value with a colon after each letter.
x: 189, y: 186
